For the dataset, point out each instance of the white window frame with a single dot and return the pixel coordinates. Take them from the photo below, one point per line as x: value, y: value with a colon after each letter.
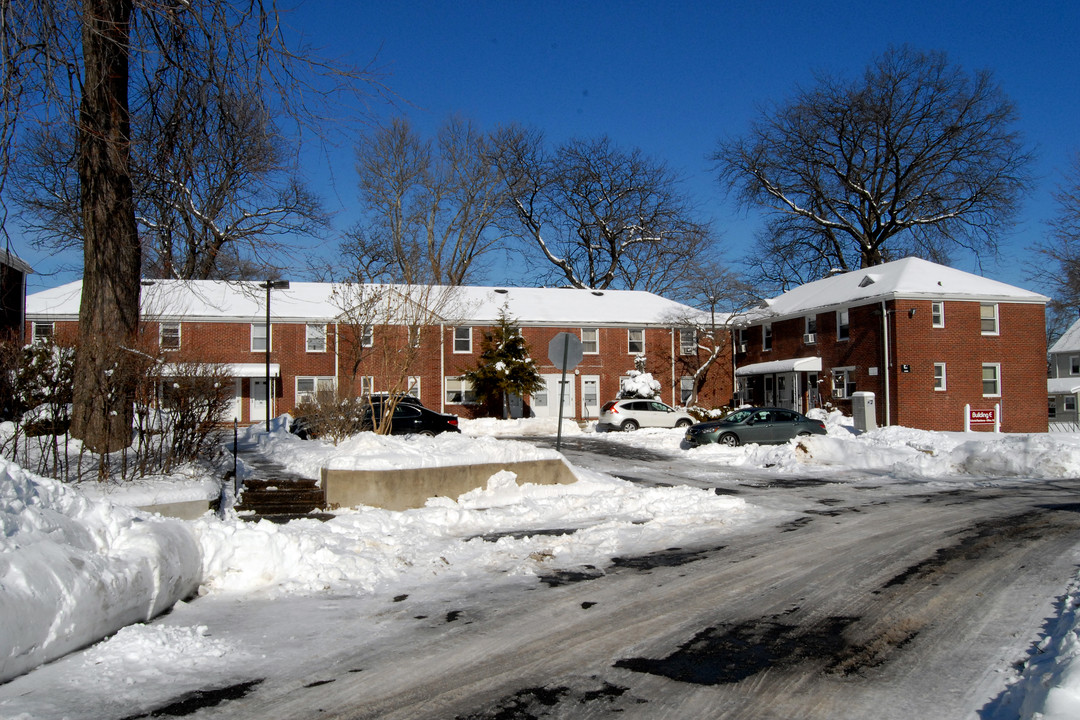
x: 810, y: 329
x: 44, y: 335
x: 688, y: 345
x: 982, y: 319
x: 847, y: 391
x: 262, y: 335
x: 456, y: 386
x: 939, y: 377
x: 319, y: 383
x: 414, y: 336
x: 462, y: 340
x: 1051, y: 407
x: 367, y: 336
x: 367, y: 385
x: 1069, y: 404
x: 766, y: 337
x: 996, y: 379
x: 1074, y: 364
x: 686, y: 388
x: 413, y: 388
x: 843, y: 325
x: 161, y: 336
x: 318, y: 337
x: 937, y: 314
x: 630, y: 342
x: 590, y: 341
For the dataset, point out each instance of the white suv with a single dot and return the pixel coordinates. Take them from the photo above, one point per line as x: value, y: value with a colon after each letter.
x: 633, y: 414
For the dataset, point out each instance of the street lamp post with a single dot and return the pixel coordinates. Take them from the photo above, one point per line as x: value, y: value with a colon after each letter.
x: 270, y: 285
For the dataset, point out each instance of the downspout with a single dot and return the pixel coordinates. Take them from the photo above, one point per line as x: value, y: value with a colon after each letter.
x: 673, y: 390
x: 442, y: 367
x: 886, y: 373
x: 337, y: 358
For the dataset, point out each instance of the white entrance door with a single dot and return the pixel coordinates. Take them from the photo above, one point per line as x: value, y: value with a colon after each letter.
x: 234, y: 410
x: 590, y: 396
x: 257, y: 404
x: 546, y: 402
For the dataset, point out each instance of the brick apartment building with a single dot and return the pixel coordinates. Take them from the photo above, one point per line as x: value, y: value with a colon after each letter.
x: 926, y: 339
x: 362, y: 339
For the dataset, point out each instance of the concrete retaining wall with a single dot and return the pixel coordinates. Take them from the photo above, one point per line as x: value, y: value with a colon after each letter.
x: 411, y: 488
x: 189, y: 510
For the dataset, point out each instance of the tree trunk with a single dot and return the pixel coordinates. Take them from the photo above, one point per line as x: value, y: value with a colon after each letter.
x: 109, y: 313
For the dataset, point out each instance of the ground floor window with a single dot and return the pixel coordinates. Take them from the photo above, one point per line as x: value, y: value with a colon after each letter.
x: 1052, y: 407
x: 313, y: 389
x: 459, y: 391
x: 991, y: 379
x: 843, y: 382
x: 686, y: 389
x: 414, y: 386
x: 939, y: 376
x: 1070, y: 403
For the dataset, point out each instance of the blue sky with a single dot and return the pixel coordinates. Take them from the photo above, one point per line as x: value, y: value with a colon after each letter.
x: 673, y: 78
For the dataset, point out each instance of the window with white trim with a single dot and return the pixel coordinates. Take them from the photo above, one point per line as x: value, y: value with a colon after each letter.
x: 414, y: 386
x: 414, y: 336
x: 1070, y: 403
x: 937, y: 314
x: 169, y: 335
x: 810, y: 329
x: 843, y: 382
x: 1074, y: 364
x: 766, y: 337
x: 991, y: 379
x: 939, y: 376
x: 258, y: 337
x: 688, y: 342
x: 367, y: 385
x: 843, y: 326
x: 590, y: 341
x: 686, y: 389
x: 42, y: 331
x: 367, y: 336
x: 635, y: 341
x: 463, y: 340
x: 459, y: 391
x: 1051, y: 407
x: 988, y: 319
x: 315, y: 337
x: 742, y: 341
x: 315, y: 388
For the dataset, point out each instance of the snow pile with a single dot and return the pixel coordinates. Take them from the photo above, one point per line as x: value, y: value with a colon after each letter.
x: 639, y: 384
x: 491, y: 427
x: 370, y: 549
x: 73, y: 570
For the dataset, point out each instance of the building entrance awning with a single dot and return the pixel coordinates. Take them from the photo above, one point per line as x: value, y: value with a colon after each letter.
x: 810, y: 364
x: 1062, y: 386
x: 234, y: 370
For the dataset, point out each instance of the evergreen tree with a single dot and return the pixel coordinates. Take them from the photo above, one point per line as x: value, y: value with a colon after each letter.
x: 504, y: 368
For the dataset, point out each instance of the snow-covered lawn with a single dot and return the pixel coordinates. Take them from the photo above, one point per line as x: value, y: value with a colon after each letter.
x: 78, y: 563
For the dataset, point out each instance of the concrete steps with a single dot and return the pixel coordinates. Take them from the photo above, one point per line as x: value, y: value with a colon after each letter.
x: 281, y: 499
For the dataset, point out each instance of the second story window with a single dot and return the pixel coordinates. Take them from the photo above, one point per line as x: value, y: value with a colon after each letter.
x: 367, y: 336
x: 414, y: 336
x: 463, y: 340
x: 635, y: 341
x: 741, y: 340
x: 1074, y: 365
x: 843, y: 327
x: 988, y: 319
x: 810, y: 330
x: 258, y: 337
x: 590, y: 341
x: 937, y: 314
x: 687, y: 342
x: 766, y: 337
x: 169, y: 335
x: 43, y: 332
x: 316, y: 338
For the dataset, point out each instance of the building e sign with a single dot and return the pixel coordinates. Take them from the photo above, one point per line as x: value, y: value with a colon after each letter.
x: 973, y: 416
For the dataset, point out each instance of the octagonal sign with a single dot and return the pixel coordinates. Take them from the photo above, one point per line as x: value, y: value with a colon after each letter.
x: 564, y: 351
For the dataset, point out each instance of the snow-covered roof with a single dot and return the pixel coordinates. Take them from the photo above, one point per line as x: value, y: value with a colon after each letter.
x: 910, y: 278
x: 210, y: 300
x: 12, y: 260
x: 1069, y: 341
x: 1063, y: 386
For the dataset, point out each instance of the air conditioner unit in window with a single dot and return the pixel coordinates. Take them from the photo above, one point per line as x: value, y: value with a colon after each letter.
x: 809, y: 338
x: 742, y: 347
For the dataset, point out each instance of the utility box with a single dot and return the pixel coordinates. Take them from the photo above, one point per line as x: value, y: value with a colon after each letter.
x: 864, y: 411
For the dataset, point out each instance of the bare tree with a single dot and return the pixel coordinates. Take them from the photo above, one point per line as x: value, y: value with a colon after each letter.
x: 80, y: 62
x: 430, y: 207
x: 600, y: 216
x: 1058, y: 255
x: 916, y: 157
x: 718, y: 295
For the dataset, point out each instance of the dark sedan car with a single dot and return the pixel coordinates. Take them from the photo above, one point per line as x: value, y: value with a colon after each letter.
x: 410, y: 418
x: 761, y: 425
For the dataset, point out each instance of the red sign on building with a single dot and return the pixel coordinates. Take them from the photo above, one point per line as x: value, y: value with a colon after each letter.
x: 983, y: 417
